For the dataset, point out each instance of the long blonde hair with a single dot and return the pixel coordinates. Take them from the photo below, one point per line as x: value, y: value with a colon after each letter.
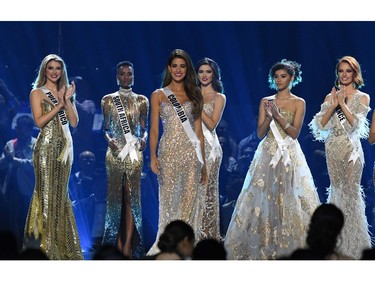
x: 41, y: 79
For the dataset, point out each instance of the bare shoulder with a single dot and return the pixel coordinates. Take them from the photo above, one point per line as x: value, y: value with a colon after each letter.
x: 220, y: 96
x: 298, y: 100
x: 271, y: 97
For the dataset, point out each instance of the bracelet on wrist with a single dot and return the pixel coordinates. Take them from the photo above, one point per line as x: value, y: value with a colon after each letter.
x: 287, y: 125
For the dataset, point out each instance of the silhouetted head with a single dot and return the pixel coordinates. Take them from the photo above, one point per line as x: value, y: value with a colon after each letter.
x: 324, y: 229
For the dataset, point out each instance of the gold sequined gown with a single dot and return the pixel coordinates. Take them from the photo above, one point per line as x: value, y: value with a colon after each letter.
x: 273, y: 210
x: 50, y: 217
x: 119, y: 172
x: 180, y: 172
x: 209, y: 197
x: 345, y: 189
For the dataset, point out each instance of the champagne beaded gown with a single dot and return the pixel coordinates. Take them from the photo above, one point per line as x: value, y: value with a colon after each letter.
x: 209, y: 197
x: 273, y: 210
x: 180, y: 172
x: 345, y: 189
x: 50, y: 217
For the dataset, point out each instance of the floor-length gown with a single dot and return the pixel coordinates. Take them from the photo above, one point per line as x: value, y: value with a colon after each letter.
x: 180, y: 172
x: 345, y: 189
x: 50, y: 217
x: 209, y: 197
x: 273, y: 210
x: 119, y: 172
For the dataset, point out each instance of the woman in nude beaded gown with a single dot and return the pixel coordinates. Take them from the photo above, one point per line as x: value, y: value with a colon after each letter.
x: 214, y: 100
x: 341, y: 123
x: 178, y: 162
x: 50, y: 218
x: 278, y: 196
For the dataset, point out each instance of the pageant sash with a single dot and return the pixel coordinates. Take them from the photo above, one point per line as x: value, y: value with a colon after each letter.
x: 68, y: 149
x: 282, y: 153
x: 213, y: 142
x: 356, y: 154
x: 283, y: 144
x: 184, y: 121
x: 131, y: 141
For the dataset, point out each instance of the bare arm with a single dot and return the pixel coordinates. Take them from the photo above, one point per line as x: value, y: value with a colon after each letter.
x: 40, y: 119
x: 71, y: 110
x: 211, y: 122
x: 332, y: 98
x: 199, y: 133
x: 371, y: 138
x: 264, y: 118
x: 154, y: 131
x: 294, y: 129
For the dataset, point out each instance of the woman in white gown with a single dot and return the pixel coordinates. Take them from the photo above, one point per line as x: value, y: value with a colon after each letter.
x: 278, y: 197
x: 341, y: 123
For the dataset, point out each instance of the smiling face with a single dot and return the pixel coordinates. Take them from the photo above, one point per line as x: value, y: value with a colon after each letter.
x: 125, y: 76
x: 178, y: 69
x: 53, y: 71
x: 205, y: 74
x: 282, y: 79
x: 345, y: 74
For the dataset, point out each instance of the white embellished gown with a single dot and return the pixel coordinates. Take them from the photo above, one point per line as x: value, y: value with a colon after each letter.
x: 345, y: 189
x: 273, y: 210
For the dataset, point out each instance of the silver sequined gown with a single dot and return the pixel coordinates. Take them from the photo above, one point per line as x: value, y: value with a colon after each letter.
x: 345, y: 189
x: 180, y: 172
x: 209, y: 197
x: 273, y: 210
x: 124, y: 171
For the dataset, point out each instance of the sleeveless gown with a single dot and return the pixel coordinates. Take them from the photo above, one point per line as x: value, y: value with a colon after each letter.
x: 273, y: 210
x: 180, y: 173
x: 210, y: 226
x: 50, y: 217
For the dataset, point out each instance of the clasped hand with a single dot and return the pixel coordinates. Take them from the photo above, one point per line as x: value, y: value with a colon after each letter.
x: 337, y: 97
x: 65, y: 94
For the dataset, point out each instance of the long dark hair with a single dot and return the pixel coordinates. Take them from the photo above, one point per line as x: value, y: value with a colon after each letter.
x: 190, y: 81
x: 217, y: 84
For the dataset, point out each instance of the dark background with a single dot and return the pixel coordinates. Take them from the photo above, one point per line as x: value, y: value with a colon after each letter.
x: 245, y: 51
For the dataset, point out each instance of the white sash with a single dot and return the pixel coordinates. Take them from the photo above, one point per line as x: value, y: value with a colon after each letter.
x: 283, y: 144
x: 131, y: 141
x: 68, y: 149
x: 282, y: 152
x: 213, y: 142
x: 184, y: 121
x: 356, y: 153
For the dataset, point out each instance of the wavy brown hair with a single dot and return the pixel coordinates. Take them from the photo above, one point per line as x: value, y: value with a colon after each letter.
x: 190, y: 81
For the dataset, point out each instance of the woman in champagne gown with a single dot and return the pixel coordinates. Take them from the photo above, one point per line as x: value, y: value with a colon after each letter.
x: 278, y: 196
x: 50, y: 217
x: 214, y: 100
x: 341, y: 123
x: 179, y: 163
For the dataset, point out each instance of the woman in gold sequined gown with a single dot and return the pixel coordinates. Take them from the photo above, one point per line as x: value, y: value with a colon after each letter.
x: 50, y: 218
x: 214, y: 100
x: 123, y: 220
x: 278, y: 197
x: 344, y: 152
x: 176, y: 161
